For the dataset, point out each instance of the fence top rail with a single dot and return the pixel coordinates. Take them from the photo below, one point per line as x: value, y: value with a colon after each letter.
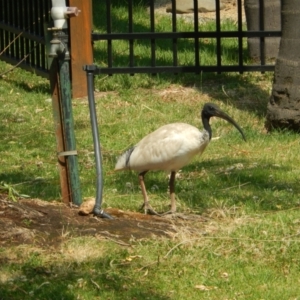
x: 97, y: 70
x: 200, y: 34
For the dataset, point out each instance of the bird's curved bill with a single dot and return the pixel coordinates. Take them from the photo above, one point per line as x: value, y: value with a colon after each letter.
x: 221, y: 114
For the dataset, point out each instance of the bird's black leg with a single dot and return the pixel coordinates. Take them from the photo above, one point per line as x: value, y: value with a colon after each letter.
x: 172, y: 194
x: 146, y: 205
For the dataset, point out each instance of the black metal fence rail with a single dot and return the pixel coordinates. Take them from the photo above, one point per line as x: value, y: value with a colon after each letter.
x: 109, y: 37
x: 22, y: 38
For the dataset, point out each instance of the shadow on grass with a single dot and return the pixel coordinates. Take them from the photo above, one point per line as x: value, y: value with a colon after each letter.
x: 93, y: 279
x: 25, y: 80
x: 33, y: 184
x: 221, y: 182
x: 251, y: 185
x: 30, y: 85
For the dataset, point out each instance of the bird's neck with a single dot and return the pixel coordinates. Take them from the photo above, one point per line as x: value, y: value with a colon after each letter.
x: 206, y: 126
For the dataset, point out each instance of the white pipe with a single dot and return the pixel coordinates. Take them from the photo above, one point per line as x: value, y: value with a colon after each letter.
x: 60, y: 13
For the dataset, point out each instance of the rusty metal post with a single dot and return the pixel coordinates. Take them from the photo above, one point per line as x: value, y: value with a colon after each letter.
x: 68, y: 123
x: 62, y: 104
x: 58, y: 127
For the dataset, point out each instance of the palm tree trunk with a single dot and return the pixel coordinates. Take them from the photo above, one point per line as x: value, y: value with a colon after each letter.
x: 284, y: 105
x: 270, y: 10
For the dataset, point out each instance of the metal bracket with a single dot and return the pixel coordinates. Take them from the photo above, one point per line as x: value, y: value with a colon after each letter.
x: 67, y: 153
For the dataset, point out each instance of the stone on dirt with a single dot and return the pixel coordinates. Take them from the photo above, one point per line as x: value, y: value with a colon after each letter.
x: 87, y: 206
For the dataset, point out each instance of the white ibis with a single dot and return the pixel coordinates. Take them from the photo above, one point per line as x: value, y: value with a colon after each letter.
x: 169, y: 148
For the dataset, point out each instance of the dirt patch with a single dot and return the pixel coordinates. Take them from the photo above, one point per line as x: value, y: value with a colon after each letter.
x: 49, y: 223
x: 229, y: 11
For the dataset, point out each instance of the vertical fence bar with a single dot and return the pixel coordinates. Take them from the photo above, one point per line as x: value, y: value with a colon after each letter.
x: 174, y: 29
x: 108, y: 30
x: 1, y: 30
x: 37, y: 32
x: 262, y: 28
x: 130, y: 30
x: 218, y: 40
x: 43, y: 21
x: 16, y: 25
x: 152, y: 29
x: 11, y: 35
x: 6, y: 34
x: 196, y: 31
x: 6, y: 20
x: 22, y: 26
x: 32, y: 11
x: 240, y: 37
x: 26, y: 28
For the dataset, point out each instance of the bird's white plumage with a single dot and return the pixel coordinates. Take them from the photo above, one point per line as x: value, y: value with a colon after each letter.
x: 168, y: 148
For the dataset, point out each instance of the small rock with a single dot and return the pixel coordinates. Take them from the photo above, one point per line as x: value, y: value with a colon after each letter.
x: 87, y: 206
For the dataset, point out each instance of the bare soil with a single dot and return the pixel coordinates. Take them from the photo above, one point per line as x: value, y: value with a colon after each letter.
x: 229, y: 11
x: 46, y: 224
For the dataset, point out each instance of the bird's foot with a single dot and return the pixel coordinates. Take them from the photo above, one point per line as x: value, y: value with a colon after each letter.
x: 148, y: 209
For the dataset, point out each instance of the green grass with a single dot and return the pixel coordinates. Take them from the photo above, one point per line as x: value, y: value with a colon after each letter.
x: 249, y: 191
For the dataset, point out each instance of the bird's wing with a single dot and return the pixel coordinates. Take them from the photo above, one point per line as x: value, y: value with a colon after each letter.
x: 168, y: 148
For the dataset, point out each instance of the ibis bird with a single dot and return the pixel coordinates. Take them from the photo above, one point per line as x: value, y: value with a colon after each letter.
x: 169, y: 148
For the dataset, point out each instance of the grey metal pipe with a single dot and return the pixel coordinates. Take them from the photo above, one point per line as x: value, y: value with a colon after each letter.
x: 97, y: 150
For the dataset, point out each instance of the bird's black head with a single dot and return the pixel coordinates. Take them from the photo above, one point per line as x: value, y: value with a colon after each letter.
x: 212, y: 110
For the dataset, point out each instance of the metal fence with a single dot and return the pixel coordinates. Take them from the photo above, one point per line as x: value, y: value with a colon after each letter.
x: 110, y: 34
x: 23, y: 25
x: 22, y: 38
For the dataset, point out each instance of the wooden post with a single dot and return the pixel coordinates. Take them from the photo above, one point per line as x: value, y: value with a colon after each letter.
x: 80, y: 45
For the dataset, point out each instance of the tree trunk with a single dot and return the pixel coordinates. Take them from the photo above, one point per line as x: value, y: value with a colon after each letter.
x: 271, y: 21
x: 284, y: 105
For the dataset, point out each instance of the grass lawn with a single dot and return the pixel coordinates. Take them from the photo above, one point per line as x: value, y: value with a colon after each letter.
x: 248, y: 191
